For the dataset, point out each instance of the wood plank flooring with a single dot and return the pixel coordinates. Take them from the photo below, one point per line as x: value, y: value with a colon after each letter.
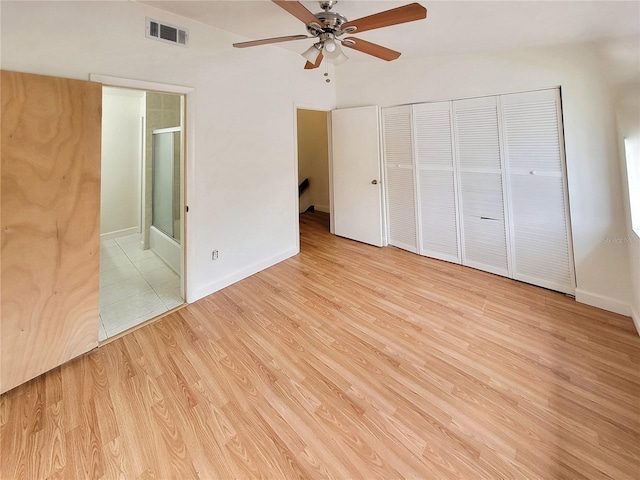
x: 346, y: 361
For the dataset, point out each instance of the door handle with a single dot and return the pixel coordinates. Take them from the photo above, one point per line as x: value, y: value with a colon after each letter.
x: 374, y: 182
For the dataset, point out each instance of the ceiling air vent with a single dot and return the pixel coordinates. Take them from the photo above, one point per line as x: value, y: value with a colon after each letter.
x: 166, y: 33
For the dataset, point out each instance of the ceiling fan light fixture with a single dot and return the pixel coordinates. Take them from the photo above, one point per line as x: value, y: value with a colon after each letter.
x: 312, y: 53
x: 331, y: 49
x: 330, y: 46
x: 340, y: 59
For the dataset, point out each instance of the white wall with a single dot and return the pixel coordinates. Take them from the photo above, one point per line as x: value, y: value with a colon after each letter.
x: 313, y: 158
x: 241, y: 184
x: 121, y: 160
x: 596, y: 201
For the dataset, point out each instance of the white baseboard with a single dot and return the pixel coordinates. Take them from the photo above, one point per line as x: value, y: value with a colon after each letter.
x: 603, y: 302
x: 323, y: 208
x: 198, y: 293
x: 635, y: 316
x: 118, y: 233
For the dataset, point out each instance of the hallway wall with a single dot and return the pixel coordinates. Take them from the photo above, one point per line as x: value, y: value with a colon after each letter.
x: 313, y: 158
x: 122, y: 112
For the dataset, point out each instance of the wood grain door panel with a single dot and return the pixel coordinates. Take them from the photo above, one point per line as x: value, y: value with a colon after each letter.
x: 50, y: 217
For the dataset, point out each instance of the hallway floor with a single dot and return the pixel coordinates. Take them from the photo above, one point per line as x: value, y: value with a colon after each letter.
x: 135, y: 285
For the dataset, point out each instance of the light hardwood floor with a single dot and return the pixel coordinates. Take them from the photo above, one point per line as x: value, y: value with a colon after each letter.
x: 346, y: 361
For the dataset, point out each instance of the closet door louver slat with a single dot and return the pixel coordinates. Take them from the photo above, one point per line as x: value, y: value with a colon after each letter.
x: 538, y: 200
x: 481, y: 188
x: 401, y: 197
x: 436, y: 181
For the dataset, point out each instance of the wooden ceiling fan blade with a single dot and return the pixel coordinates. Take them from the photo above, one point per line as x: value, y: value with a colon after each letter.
x: 266, y: 41
x: 371, y: 48
x: 408, y: 13
x: 310, y: 66
x: 297, y: 10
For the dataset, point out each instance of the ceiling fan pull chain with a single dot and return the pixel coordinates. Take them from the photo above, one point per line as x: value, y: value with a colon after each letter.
x: 326, y: 71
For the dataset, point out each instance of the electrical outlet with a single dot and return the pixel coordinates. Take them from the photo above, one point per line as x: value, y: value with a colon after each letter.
x: 214, y: 255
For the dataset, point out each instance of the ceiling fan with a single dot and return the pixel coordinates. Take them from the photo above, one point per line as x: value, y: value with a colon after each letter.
x: 328, y: 27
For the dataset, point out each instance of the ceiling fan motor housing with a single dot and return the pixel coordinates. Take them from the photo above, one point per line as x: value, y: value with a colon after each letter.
x: 330, y: 21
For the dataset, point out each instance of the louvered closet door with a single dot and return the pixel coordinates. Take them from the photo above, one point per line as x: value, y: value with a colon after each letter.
x: 534, y: 156
x: 437, y: 209
x: 401, y: 198
x: 482, y: 210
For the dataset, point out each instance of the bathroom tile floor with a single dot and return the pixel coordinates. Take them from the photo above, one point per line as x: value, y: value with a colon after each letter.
x: 135, y: 285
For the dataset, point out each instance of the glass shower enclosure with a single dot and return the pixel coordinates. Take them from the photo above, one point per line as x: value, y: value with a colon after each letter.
x: 166, y: 210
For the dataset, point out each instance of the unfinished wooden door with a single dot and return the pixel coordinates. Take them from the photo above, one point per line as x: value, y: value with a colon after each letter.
x: 50, y: 216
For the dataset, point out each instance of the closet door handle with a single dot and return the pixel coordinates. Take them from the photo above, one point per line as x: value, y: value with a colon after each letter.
x: 374, y: 182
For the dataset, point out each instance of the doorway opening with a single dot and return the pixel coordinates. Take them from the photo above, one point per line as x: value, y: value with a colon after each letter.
x: 313, y: 164
x: 142, y: 192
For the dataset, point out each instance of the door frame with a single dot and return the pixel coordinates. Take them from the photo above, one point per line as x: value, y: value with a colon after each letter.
x: 319, y: 108
x: 188, y: 165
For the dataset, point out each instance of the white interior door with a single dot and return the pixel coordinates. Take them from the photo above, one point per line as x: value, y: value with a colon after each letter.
x: 357, y: 186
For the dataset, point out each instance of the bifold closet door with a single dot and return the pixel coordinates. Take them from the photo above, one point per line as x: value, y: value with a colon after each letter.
x: 541, y: 251
x: 482, y: 200
x: 437, y: 206
x: 51, y: 136
x: 401, y: 196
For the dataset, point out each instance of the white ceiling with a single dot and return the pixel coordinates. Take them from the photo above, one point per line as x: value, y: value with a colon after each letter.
x: 450, y: 27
